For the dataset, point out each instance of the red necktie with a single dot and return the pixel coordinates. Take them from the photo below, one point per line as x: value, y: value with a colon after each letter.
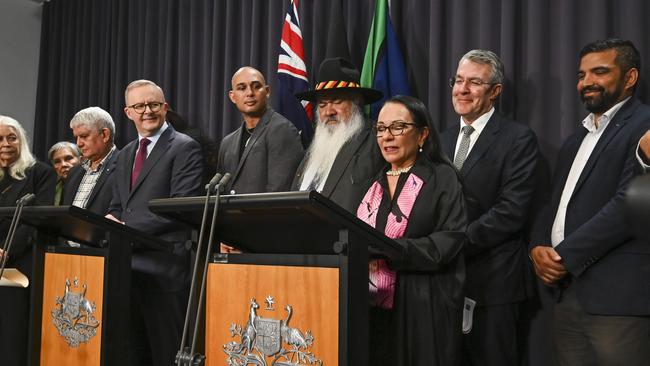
x: 140, y: 157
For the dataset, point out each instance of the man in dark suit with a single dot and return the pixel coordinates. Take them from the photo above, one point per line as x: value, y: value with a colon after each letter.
x: 581, y: 244
x: 263, y: 154
x: 343, y: 156
x: 161, y: 163
x: 90, y: 185
x: 496, y: 158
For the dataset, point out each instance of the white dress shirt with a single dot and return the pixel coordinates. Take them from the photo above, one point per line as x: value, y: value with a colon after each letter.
x: 584, y: 152
x: 478, y: 125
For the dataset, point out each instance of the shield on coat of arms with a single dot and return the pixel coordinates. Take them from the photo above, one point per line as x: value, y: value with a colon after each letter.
x: 268, y: 339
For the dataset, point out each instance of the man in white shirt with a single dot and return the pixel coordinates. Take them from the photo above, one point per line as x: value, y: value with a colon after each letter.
x: 581, y: 244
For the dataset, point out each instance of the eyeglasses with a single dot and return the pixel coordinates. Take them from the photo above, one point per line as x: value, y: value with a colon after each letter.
x: 473, y: 82
x: 396, y: 128
x: 142, y: 107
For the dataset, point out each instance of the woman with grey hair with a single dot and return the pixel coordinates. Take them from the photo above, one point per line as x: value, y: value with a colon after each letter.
x: 63, y: 156
x: 20, y: 174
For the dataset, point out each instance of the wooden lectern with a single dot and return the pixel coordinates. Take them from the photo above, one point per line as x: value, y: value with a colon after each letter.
x: 80, y: 295
x: 299, y: 295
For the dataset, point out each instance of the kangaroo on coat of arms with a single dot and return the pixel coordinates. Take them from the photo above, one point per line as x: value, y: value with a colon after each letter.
x: 264, y: 337
x: 73, y: 317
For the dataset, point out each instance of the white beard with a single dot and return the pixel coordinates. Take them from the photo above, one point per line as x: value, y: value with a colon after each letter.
x: 328, y: 141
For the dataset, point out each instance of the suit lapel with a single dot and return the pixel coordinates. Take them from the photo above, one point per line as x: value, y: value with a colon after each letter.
x: 612, y: 129
x: 450, y: 138
x: 108, y: 167
x: 159, y: 150
x: 342, y: 161
x: 260, y: 130
x: 482, y: 144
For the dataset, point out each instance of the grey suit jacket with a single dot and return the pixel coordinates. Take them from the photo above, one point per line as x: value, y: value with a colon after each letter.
x: 174, y: 168
x: 102, y: 193
x: 269, y: 161
x: 353, y: 171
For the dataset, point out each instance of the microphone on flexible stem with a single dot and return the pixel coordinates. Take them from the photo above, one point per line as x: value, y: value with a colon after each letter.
x: 223, y: 181
x: 185, y: 355
x: 20, y: 203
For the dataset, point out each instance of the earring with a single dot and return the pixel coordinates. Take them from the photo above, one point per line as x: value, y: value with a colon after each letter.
x: 420, y: 148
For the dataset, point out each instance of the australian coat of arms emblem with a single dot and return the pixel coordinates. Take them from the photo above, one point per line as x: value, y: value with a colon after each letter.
x: 269, y: 342
x: 73, y: 315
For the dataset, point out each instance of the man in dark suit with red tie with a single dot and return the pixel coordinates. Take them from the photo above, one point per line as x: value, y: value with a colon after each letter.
x: 497, y: 159
x: 161, y: 163
x: 581, y: 245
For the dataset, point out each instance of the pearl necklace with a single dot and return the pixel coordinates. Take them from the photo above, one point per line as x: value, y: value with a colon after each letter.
x: 399, y: 171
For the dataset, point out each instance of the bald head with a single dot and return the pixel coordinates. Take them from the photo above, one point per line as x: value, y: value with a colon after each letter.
x: 249, y: 94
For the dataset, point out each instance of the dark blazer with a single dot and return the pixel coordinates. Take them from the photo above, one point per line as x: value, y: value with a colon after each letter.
x: 172, y: 169
x: 353, y: 171
x: 608, y: 267
x: 431, y: 273
x: 102, y: 193
x: 40, y: 179
x: 499, y: 179
x: 269, y: 161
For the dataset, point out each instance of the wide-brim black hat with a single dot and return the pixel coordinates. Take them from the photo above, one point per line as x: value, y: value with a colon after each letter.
x: 338, y: 74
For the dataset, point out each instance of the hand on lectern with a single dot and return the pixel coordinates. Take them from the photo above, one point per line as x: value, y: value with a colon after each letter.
x: 111, y: 217
x: 644, y: 146
x: 228, y: 249
x: 2, y: 254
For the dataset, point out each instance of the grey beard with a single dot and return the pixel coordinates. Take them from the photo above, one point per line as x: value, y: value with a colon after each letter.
x: 328, y: 141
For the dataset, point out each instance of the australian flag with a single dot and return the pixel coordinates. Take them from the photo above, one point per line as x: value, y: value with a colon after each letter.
x: 292, y: 76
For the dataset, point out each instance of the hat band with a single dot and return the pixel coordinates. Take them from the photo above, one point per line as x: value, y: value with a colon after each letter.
x: 336, y: 85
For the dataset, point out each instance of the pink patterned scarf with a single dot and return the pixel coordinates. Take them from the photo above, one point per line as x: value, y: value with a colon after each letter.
x: 382, y: 279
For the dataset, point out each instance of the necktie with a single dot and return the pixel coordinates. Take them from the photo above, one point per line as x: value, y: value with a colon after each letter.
x: 463, y: 149
x: 140, y: 157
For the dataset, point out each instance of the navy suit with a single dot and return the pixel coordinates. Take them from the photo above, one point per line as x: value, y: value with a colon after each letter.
x: 608, y: 268
x: 269, y: 160
x: 160, y: 283
x: 101, y: 194
x: 499, y: 179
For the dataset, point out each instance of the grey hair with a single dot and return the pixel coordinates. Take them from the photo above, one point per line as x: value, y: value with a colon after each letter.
x: 142, y: 82
x: 62, y: 145
x: 96, y: 118
x: 25, y: 158
x: 486, y: 57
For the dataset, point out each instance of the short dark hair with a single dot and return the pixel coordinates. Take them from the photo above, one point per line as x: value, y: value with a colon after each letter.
x: 627, y: 56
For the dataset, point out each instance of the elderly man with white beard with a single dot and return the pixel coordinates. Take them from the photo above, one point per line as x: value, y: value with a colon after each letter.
x: 343, y: 156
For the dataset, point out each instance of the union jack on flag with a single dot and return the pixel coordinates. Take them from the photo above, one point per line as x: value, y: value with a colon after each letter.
x: 292, y: 76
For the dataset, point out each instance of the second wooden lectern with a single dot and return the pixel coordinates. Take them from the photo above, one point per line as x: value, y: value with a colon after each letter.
x: 299, y: 293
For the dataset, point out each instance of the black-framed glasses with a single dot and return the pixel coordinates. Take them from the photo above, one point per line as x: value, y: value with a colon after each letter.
x: 473, y: 82
x: 141, y: 107
x: 396, y: 128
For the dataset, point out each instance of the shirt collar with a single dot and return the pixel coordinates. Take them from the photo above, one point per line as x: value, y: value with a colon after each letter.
x: 154, y: 138
x: 590, y: 124
x: 479, y: 123
x: 86, y: 163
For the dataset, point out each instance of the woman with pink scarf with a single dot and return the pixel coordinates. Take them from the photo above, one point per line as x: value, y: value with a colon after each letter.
x: 416, y: 300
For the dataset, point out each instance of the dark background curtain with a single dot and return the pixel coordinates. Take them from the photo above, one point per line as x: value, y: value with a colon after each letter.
x: 91, y: 49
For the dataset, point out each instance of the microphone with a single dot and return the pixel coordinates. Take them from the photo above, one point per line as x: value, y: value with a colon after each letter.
x: 223, y: 181
x: 213, y: 182
x: 26, y: 199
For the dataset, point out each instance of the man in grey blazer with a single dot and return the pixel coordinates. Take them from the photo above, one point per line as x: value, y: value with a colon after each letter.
x: 343, y: 157
x: 263, y: 154
x: 161, y: 163
x: 90, y: 185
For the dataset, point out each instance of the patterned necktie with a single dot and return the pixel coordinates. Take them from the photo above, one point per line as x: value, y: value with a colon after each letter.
x: 463, y: 149
x: 140, y: 157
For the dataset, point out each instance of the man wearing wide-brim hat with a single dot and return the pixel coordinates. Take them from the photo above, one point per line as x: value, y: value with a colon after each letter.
x: 343, y: 156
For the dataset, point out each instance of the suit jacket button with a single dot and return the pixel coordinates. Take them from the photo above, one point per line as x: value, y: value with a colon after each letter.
x: 128, y: 210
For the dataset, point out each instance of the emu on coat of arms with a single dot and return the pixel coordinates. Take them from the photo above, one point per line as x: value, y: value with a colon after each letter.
x: 73, y: 316
x: 263, y: 338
